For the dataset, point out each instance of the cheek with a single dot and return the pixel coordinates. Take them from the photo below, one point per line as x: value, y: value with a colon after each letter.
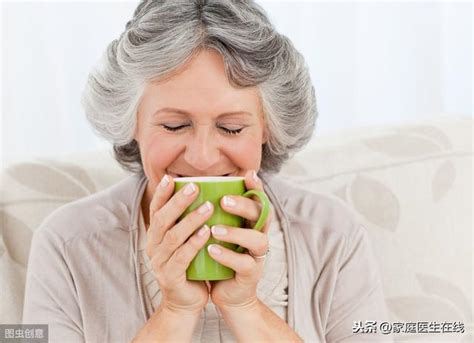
x: 245, y: 153
x: 157, y: 154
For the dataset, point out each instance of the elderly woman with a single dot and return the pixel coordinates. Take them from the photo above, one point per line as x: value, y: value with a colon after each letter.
x: 201, y: 88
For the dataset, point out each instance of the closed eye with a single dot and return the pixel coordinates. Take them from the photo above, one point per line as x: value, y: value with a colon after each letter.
x: 180, y: 127
x: 229, y: 131
x: 174, y: 128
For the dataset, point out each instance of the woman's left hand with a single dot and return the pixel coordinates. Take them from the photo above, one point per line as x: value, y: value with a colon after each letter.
x: 241, y: 290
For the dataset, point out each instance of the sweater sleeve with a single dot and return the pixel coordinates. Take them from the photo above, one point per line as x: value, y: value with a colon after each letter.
x: 50, y: 293
x: 358, y: 295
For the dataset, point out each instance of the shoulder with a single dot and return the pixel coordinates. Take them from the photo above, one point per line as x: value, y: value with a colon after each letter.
x: 310, y: 210
x: 109, y: 209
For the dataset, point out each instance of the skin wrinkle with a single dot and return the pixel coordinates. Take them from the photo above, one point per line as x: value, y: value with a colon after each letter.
x: 160, y: 41
x: 179, y: 111
x: 201, y: 92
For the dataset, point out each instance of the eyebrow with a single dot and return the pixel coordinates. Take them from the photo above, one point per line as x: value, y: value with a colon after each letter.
x: 179, y: 111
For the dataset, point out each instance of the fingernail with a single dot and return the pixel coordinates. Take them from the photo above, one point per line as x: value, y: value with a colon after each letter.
x: 213, y: 249
x: 164, y: 181
x: 189, y: 189
x: 228, y: 201
x: 203, y: 230
x: 218, y: 230
x: 255, y: 177
x: 206, y: 207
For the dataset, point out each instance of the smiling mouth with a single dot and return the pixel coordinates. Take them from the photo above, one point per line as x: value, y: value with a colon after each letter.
x: 182, y: 175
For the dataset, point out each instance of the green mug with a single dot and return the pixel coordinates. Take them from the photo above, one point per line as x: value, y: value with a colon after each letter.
x: 212, y: 189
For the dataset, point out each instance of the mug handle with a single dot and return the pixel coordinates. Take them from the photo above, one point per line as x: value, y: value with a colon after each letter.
x: 263, y: 214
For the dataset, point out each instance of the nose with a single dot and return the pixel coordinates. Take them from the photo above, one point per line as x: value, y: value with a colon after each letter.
x: 202, y: 151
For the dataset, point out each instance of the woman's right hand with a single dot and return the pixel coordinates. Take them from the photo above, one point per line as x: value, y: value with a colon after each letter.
x: 170, y: 250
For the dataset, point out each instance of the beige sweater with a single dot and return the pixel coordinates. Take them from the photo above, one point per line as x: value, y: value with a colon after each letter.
x: 84, y: 268
x: 211, y: 328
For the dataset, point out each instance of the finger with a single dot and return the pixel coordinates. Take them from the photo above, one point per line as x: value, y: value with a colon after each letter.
x: 163, y: 219
x: 162, y: 193
x: 248, y: 208
x: 267, y: 225
x: 243, y: 264
x: 182, y: 257
x: 252, y: 181
x: 176, y: 236
x: 255, y: 241
x: 241, y: 206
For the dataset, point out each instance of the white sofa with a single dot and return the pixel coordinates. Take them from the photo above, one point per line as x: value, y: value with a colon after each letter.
x: 410, y: 184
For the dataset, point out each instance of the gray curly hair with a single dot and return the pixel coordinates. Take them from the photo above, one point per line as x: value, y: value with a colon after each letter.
x: 163, y: 35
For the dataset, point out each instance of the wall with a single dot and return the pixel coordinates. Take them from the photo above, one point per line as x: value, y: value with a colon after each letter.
x: 372, y: 63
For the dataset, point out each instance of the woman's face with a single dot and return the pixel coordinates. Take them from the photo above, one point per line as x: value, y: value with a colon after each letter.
x: 197, y: 124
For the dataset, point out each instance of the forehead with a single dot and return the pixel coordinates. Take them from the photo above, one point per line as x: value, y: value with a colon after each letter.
x: 201, y: 85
